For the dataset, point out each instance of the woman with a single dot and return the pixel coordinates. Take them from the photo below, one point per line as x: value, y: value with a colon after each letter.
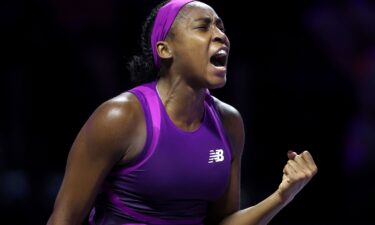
x: 167, y: 152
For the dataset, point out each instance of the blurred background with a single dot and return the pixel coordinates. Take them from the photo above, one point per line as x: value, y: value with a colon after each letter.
x: 302, y: 74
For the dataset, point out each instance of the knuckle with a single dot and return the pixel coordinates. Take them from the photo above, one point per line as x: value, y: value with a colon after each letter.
x: 309, y: 174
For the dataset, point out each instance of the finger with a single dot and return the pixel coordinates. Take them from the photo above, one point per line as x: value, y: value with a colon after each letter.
x: 307, y: 156
x: 300, y: 159
x: 292, y: 170
x: 287, y: 169
x: 303, y: 165
x: 309, y: 160
x: 294, y: 166
x: 291, y: 154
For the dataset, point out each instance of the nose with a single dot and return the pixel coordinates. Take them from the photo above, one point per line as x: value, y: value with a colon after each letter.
x: 220, y: 36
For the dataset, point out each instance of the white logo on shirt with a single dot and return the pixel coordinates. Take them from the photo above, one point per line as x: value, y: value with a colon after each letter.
x: 216, y: 156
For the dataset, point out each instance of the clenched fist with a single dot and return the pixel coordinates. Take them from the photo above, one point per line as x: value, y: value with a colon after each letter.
x: 297, y: 172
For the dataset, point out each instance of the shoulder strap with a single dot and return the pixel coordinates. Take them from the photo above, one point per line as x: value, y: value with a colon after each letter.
x: 152, y: 108
x: 212, y: 107
x: 150, y: 103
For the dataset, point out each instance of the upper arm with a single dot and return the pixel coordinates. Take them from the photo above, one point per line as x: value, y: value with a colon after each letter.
x: 230, y: 201
x: 100, y: 144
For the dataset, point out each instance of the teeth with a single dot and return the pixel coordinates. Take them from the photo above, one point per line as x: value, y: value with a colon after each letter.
x: 221, y: 52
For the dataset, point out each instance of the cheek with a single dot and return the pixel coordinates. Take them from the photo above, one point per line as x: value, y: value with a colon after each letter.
x: 200, y: 53
x: 195, y: 52
x: 197, y: 57
x: 199, y: 46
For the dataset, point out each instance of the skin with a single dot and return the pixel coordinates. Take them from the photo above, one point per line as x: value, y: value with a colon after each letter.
x: 116, y: 132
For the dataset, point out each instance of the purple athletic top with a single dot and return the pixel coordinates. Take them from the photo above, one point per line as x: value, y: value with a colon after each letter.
x: 176, y: 175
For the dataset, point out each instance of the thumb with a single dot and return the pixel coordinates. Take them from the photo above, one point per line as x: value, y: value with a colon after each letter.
x: 291, y: 154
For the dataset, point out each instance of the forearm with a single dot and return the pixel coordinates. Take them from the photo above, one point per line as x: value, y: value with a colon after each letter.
x: 259, y: 214
x: 68, y: 212
x: 56, y: 220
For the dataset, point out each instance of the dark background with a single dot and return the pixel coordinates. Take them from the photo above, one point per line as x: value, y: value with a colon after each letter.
x: 302, y: 74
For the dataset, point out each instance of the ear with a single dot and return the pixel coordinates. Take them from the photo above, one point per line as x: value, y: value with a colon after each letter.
x: 164, y: 50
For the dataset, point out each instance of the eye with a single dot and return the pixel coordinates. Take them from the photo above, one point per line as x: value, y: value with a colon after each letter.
x: 203, y: 27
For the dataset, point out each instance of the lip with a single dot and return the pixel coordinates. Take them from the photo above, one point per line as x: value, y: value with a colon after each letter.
x: 220, y: 71
x: 224, y: 48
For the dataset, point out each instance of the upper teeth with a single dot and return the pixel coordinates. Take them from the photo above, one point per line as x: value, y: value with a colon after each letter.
x: 221, y: 52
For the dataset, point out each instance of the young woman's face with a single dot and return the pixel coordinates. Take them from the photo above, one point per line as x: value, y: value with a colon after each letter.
x: 199, y: 46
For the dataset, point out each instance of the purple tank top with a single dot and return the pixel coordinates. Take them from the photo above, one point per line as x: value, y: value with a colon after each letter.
x: 175, y: 176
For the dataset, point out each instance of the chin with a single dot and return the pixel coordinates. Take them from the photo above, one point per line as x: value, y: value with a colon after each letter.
x: 218, y: 82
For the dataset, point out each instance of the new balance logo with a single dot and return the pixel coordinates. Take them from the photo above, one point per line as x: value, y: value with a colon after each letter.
x: 216, y: 156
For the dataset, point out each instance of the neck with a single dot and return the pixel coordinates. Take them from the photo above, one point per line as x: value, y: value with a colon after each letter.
x: 183, y: 104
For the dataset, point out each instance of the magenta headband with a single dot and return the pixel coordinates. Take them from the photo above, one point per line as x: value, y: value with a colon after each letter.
x: 163, y: 22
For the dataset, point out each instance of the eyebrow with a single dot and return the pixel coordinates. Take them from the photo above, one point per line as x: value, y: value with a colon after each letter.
x: 209, y: 20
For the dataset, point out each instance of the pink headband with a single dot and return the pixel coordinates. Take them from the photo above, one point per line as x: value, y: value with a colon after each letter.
x: 163, y: 22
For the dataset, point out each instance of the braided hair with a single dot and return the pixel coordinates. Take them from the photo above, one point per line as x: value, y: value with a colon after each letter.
x: 141, y: 67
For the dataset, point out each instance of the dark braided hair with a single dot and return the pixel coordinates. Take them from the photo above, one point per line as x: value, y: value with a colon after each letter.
x: 141, y: 67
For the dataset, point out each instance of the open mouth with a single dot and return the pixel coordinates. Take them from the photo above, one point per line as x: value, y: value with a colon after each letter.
x: 219, y: 59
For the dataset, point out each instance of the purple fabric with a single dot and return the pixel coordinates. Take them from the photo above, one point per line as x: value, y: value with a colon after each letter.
x: 176, y: 175
x: 152, y: 102
x: 163, y: 22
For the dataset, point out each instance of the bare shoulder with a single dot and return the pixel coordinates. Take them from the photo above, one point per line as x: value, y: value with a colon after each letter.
x: 233, y: 123
x: 228, y: 112
x: 118, y: 111
x: 101, y: 143
x: 115, y: 125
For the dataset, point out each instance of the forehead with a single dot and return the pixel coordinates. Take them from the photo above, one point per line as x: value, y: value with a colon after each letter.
x: 195, y: 10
